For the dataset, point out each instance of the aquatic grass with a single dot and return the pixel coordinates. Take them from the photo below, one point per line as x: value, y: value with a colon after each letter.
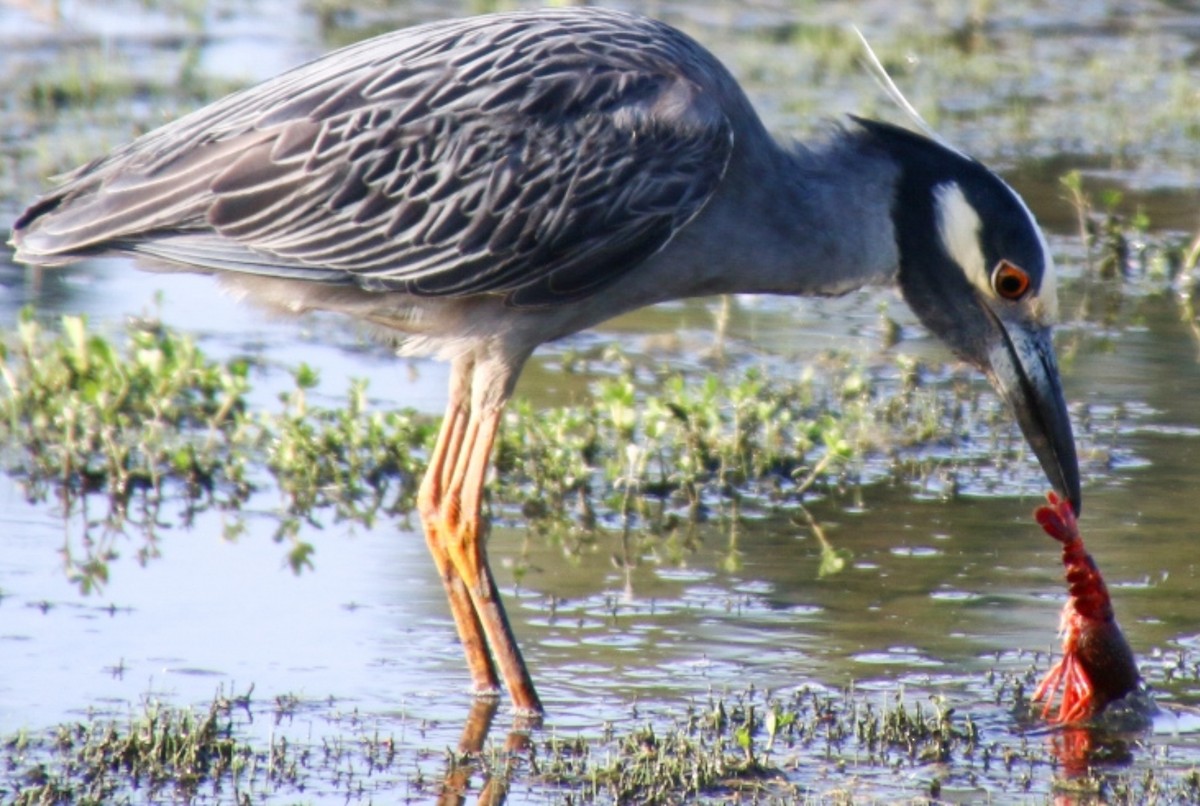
x: 89, y: 80
x: 1119, y: 244
x: 90, y: 414
x: 851, y: 744
x: 689, y: 445
x: 90, y: 98
x: 744, y: 743
x: 160, y: 751
x: 1002, y: 89
x: 354, y: 460
x: 153, y: 418
x: 82, y: 78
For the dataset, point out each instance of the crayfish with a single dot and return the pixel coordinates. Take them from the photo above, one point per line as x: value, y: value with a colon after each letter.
x: 1097, y: 666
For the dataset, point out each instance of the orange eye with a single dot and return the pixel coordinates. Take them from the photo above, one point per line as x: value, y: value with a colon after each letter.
x: 1009, y: 281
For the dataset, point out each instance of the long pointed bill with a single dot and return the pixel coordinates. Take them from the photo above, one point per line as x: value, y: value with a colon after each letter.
x: 1025, y: 373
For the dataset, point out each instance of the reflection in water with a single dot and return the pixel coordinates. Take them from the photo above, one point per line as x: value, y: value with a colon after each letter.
x: 496, y: 776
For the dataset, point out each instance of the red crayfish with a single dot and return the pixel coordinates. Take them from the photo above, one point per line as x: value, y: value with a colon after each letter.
x: 1097, y: 666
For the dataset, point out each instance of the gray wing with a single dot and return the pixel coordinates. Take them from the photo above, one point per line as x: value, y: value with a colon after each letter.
x: 539, y: 156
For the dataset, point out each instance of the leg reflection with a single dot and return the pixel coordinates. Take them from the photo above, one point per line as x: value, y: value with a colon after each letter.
x: 468, y: 760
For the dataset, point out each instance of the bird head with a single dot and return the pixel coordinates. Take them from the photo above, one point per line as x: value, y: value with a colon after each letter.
x: 976, y: 270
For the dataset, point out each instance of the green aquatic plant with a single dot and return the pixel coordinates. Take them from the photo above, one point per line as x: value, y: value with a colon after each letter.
x: 130, y: 421
x: 90, y: 415
x: 850, y: 744
x: 162, y: 751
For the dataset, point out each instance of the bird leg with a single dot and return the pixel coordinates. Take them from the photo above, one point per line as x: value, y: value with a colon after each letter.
x: 450, y: 502
x: 468, y: 551
x: 429, y: 503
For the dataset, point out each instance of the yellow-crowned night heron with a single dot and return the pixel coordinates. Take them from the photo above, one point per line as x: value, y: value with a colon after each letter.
x: 485, y: 185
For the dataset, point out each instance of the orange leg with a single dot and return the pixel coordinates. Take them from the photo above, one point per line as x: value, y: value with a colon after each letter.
x: 450, y: 501
x: 470, y: 633
x: 471, y: 558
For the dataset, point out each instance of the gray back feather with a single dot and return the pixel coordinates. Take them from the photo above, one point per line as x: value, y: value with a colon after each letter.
x: 535, y: 155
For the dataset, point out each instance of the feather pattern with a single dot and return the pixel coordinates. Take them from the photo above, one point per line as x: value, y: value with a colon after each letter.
x: 537, y: 156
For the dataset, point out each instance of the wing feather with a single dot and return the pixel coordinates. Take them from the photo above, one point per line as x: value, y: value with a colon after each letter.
x: 538, y: 156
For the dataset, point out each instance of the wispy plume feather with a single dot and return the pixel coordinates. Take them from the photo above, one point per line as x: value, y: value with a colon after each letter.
x: 880, y: 74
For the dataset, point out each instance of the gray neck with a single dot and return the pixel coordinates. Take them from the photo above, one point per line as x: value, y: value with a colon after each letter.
x: 812, y: 220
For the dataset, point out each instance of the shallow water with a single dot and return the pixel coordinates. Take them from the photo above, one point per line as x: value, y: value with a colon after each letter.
x: 940, y: 589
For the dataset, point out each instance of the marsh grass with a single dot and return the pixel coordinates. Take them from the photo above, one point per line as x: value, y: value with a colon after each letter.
x: 160, y: 751
x: 117, y: 425
x: 734, y: 746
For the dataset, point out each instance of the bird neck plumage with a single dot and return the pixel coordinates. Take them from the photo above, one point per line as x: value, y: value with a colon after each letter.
x: 806, y: 220
x: 840, y: 195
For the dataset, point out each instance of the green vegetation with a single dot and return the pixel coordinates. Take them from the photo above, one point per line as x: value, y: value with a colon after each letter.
x: 1119, y: 245
x: 163, y: 751
x: 149, y: 419
x: 733, y: 747
x: 740, y: 745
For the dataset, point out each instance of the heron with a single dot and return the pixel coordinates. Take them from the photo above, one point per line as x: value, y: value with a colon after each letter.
x: 481, y: 186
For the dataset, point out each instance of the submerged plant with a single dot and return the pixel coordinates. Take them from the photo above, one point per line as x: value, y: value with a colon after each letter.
x: 150, y: 419
x: 162, y: 749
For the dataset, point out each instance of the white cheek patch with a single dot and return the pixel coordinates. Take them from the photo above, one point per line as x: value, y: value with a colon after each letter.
x: 959, y: 227
x: 1047, y: 298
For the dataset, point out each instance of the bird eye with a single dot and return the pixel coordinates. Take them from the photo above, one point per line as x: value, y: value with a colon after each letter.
x: 1010, y: 281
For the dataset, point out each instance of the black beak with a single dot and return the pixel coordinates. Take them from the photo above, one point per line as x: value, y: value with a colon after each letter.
x: 1023, y: 370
